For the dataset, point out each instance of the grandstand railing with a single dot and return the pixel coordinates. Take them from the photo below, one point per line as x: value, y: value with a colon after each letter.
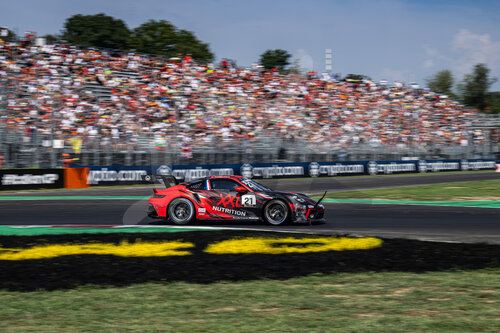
x: 33, y: 150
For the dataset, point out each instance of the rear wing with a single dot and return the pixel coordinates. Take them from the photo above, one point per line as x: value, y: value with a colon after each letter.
x: 168, y: 180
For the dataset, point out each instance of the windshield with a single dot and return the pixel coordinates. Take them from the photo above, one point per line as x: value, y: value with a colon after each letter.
x: 254, y: 185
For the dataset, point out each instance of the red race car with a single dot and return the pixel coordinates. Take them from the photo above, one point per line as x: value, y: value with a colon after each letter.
x: 230, y: 198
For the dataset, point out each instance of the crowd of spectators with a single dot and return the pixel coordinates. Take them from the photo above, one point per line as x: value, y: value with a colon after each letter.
x: 161, y: 102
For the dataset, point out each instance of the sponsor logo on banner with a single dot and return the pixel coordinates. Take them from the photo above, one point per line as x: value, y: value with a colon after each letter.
x: 194, y: 173
x: 436, y: 166
x: 372, y: 168
x: 314, y: 169
x: 422, y: 166
x: 164, y: 170
x: 277, y: 171
x: 105, y: 175
x: 29, y: 179
x: 340, y: 169
x: 246, y: 171
x: 130, y: 174
x: 375, y: 168
x: 464, y: 165
x: 479, y: 165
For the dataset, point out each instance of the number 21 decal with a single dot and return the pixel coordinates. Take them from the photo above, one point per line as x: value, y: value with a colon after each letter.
x: 248, y: 200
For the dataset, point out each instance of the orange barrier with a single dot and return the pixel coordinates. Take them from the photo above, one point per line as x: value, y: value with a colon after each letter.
x: 76, y: 177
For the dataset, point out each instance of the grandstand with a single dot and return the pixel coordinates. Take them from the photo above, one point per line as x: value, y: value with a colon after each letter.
x: 132, y: 109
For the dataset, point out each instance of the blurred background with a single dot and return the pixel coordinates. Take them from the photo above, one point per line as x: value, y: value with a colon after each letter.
x: 160, y: 84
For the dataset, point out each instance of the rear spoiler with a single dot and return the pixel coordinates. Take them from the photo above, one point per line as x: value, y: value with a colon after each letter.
x: 168, y: 180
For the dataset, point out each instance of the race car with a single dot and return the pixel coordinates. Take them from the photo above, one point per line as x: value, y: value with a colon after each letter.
x: 229, y: 198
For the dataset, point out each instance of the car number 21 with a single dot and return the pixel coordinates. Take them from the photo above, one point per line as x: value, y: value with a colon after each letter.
x: 248, y: 200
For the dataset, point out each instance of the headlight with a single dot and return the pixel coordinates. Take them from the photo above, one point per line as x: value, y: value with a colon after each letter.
x: 299, y: 199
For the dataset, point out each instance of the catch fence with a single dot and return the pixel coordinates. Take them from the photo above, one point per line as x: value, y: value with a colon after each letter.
x: 34, y: 149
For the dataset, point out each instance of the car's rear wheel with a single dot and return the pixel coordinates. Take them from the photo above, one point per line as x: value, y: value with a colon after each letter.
x: 276, y: 212
x: 181, y: 211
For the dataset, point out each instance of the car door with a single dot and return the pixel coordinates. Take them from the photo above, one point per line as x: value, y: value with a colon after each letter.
x: 230, y: 204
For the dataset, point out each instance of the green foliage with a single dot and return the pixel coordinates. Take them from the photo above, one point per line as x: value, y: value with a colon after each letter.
x: 442, y: 82
x: 356, y: 77
x: 52, y: 39
x: 163, y: 38
x: 156, y: 37
x: 96, y: 30
x: 10, y: 35
x: 494, y: 102
x: 474, y: 88
x: 275, y: 58
x: 152, y: 37
x: 187, y: 43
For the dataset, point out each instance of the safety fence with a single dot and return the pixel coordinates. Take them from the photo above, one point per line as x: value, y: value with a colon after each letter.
x: 25, y: 149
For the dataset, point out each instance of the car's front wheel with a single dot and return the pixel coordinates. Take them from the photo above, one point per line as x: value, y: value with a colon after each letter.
x: 181, y: 211
x: 276, y: 212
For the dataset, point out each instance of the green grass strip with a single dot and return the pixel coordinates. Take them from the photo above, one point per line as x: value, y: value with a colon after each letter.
x: 488, y: 204
x: 440, y: 302
x: 76, y: 197
x: 35, y: 231
x: 483, y: 190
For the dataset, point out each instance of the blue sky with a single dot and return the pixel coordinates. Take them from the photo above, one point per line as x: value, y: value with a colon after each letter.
x: 384, y: 39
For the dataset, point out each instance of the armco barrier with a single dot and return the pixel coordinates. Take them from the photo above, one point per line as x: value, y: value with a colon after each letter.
x: 29, y: 179
x: 113, y: 175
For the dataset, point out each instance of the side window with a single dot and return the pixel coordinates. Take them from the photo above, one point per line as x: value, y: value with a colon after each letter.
x: 223, y: 184
x: 199, y: 185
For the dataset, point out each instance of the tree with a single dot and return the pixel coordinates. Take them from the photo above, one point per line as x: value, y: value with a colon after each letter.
x: 163, y: 38
x: 494, y: 102
x: 475, y: 86
x: 187, y: 43
x: 275, y: 58
x: 356, y: 77
x: 7, y: 35
x: 52, y: 39
x: 96, y: 30
x: 441, y: 82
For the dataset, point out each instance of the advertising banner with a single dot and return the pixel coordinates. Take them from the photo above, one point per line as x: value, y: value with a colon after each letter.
x: 31, y: 179
x: 109, y: 175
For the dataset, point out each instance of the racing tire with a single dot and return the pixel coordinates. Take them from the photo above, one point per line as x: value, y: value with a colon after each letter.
x: 181, y: 211
x: 276, y: 212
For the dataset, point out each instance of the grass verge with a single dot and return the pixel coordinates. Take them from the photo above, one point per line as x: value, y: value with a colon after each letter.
x: 461, y: 301
x: 470, y: 190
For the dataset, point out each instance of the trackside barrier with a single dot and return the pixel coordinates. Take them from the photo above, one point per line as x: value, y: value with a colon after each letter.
x: 113, y: 175
x: 76, y: 177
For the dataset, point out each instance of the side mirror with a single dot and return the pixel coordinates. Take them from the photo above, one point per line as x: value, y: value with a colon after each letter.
x: 241, y: 189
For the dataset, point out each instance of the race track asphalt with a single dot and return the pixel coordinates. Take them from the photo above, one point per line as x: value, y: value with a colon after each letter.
x: 463, y: 224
